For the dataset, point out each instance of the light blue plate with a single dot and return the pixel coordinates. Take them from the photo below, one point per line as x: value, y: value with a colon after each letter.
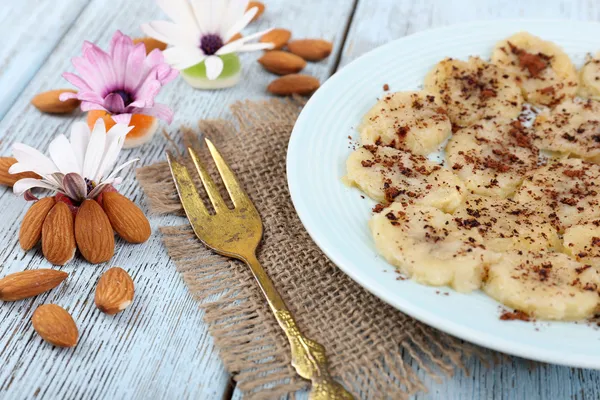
x: 336, y: 216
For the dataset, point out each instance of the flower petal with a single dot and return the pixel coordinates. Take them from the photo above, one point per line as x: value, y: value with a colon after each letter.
x: 62, y: 155
x: 87, y: 106
x: 134, y: 68
x: 115, y: 138
x: 77, y: 81
x: 114, y: 103
x: 175, y: 34
x: 33, y: 159
x: 120, y: 167
x: 182, y: 57
x: 160, y: 111
x: 120, y: 47
x: 236, y: 44
x: 22, y: 185
x: 242, y: 23
x: 214, y: 67
x: 235, y: 11
x: 124, y: 118
x: 254, y: 47
x: 80, y: 137
x: 95, y: 150
x: 74, y: 186
x: 180, y: 11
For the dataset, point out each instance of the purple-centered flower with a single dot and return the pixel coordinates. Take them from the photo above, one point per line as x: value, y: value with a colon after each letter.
x: 123, y: 81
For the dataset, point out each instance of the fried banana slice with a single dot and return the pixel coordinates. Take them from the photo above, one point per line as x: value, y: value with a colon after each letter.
x: 386, y: 175
x: 492, y: 156
x: 474, y: 89
x: 543, y: 70
x: 413, y: 121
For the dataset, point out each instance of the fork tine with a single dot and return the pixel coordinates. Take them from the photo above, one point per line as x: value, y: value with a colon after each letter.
x: 191, y: 201
x: 238, y: 195
x: 209, y: 184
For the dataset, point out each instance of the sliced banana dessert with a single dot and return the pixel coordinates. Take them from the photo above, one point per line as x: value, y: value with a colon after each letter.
x: 571, y: 129
x: 492, y: 156
x: 582, y: 242
x: 589, y: 78
x: 414, y: 121
x: 426, y: 244
x: 566, y: 191
x: 544, y: 285
x: 543, y: 70
x: 474, y: 89
x: 506, y: 225
x: 386, y: 175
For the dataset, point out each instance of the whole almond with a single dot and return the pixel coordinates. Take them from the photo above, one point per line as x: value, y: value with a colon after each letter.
x: 10, y: 179
x: 294, y: 84
x: 259, y: 5
x: 58, y: 238
x: 22, y: 285
x: 31, y: 226
x: 279, y: 37
x: 311, y: 49
x: 282, y: 62
x: 235, y: 37
x: 151, y: 44
x: 55, y: 325
x: 93, y: 233
x: 49, y: 102
x: 126, y: 218
x: 115, y: 291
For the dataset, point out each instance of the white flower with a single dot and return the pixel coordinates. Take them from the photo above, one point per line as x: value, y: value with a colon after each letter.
x: 80, y: 168
x: 200, y: 31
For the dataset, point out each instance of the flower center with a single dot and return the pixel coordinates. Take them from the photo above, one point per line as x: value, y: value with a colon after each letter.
x: 127, y: 99
x: 89, y: 184
x: 210, y: 44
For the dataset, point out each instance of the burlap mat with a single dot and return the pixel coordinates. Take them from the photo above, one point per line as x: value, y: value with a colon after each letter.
x: 369, y: 343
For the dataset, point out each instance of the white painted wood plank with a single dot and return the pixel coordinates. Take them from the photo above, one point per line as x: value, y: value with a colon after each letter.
x: 30, y: 30
x: 376, y: 23
x: 159, y: 347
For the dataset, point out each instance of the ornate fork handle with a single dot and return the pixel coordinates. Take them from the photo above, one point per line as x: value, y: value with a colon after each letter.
x: 308, y: 357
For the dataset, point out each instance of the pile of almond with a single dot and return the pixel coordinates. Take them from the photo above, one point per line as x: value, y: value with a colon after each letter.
x: 64, y: 227
x: 53, y: 323
x: 288, y: 58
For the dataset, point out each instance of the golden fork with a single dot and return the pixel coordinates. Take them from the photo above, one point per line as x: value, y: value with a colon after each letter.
x: 236, y: 233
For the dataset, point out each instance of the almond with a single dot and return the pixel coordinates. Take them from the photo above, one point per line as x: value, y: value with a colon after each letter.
x: 235, y: 37
x: 294, y: 84
x: 150, y: 44
x: 10, y: 179
x: 58, y: 239
x: 114, y: 292
x: 22, y: 285
x: 311, y: 49
x: 279, y: 37
x: 282, y: 62
x: 49, y: 102
x: 55, y: 325
x: 259, y: 5
x: 126, y: 218
x: 93, y: 233
x: 31, y: 226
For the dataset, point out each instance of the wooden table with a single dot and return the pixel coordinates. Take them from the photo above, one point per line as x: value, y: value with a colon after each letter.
x: 159, y: 348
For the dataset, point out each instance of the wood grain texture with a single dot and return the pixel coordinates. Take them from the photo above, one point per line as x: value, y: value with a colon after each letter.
x: 30, y: 29
x: 158, y: 347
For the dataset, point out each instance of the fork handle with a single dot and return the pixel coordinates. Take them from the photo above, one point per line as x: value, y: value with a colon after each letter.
x: 308, y: 357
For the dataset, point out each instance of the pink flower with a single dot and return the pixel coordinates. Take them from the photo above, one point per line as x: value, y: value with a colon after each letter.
x: 123, y: 81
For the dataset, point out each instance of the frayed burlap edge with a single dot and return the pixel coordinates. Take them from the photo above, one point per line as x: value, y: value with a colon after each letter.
x: 369, y: 342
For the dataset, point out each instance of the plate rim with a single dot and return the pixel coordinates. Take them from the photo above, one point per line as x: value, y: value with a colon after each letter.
x: 458, y: 330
